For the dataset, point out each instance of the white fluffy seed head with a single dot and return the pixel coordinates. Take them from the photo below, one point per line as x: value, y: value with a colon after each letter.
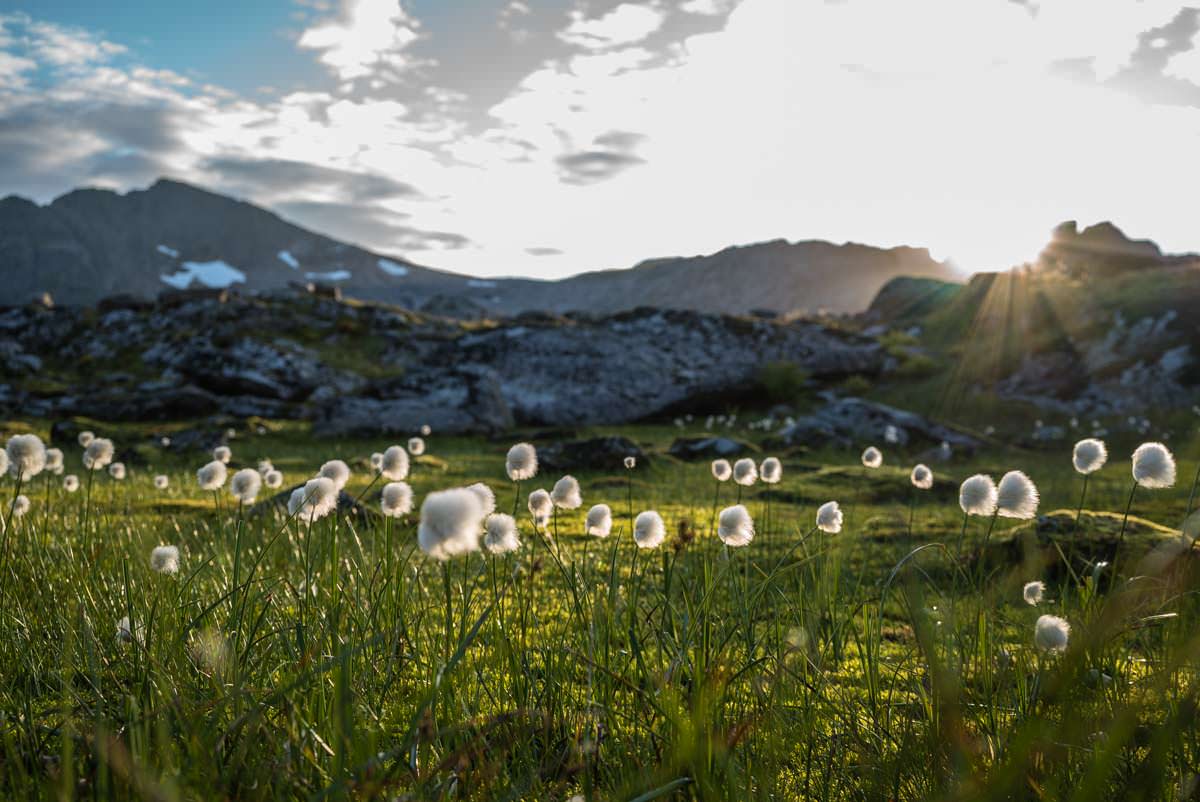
x: 20, y: 505
x: 336, y: 471
x: 316, y: 499
x: 416, y: 446
x: 1016, y: 496
x: 599, y: 520
x: 165, y: 559
x: 722, y: 470
x: 977, y: 495
x: 127, y: 633
x: 222, y: 454
x: 54, y: 460
x: 26, y: 456
x: 487, y: 499
x: 450, y: 523
x: 745, y: 472
x: 98, y: 453
x: 1153, y: 466
x: 649, y: 531
x: 394, y: 465
x: 922, y: 477
x: 1090, y: 455
x: 70, y: 483
x: 565, y: 494
x: 500, y: 535
x: 245, y: 485
x: 425, y: 430
x: 1051, y: 633
x: 771, y: 470
x: 3, y: 462
x: 117, y: 470
x: 273, y: 479
x: 377, y: 460
x: 630, y: 463
x: 161, y: 481
x: 265, y: 467
x: 521, y: 463
x: 396, y: 500
x: 212, y: 476
x: 829, y: 518
x: 735, y: 526
x: 1033, y: 592
x: 540, y: 506
x: 872, y: 457
x: 85, y: 437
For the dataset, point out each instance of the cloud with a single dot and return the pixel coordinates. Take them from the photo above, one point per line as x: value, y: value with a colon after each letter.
x: 365, y: 38
x: 543, y: 251
x: 287, y: 176
x: 708, y: 8
x: 624, y: 25
x: 369, y: 225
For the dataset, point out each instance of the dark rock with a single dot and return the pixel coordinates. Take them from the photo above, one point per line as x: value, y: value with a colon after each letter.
x: 846, y: 422
x: 176, y: 404
x: 596, y: 453
x: 695, y: 448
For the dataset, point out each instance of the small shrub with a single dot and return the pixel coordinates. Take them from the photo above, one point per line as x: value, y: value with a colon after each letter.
x: 782, y: 382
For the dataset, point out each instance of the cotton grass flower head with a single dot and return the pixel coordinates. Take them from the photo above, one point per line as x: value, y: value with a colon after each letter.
x: 1016, y: 496
x: 649, y: 531
x: 630, y: 463
x: 1051, y: 633
x: 521, y: 462
x: 70, y: 483
x: 314, y: 500
x: 161, y: 481
x: 54, y: 461
x: 165, y: 559
x: 212, y: 476
x: 117, y: 470
x: 722, y: 470
x: 450, y: 523
x: 394, y: 465
x: 829, y: 518
x: 565, y: 494
x: 735, y: 526
x: 977, y: 495
x: 745, y: 472
x: 487, y: 499
x: 1033, y: 592
x: 599, y: 521
x: 26, y: 456
x: 396, y: 499
x: 1090, y: 455
x: 416, y: 446
x: 20, y: 506
x: 98, y: 453
x: 540, y: 506
x: 771, y: 470
x: 1153, y: 466
x: 85, y: 438
x: 377, y: 461
x: 265, y: 467
x: 336, y: 471
x: 425, y: 430
x: 126, y: 633
x: 872, y: 457
x: 273, y: 479
x: 922, y: 477
x: 3, y: 462
x: 222, y: 454
x: 245, y: 485
x: 500, y: 535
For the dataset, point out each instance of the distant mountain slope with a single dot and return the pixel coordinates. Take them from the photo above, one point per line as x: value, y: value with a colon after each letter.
x: 91, y: 243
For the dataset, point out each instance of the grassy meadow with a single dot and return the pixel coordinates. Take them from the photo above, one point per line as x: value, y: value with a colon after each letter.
x: 894, y: 660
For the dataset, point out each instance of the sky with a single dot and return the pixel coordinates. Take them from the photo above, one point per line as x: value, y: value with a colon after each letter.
x: 549, y: 137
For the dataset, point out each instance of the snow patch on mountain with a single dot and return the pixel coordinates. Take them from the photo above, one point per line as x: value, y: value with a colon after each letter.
x: 165, y: 251
x: 332, y: 275
x: 214, y: 274
x: 289, y: 260
x: 392, y: 268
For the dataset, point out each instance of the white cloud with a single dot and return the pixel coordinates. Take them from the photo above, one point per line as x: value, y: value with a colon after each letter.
x: 1186, y: 65
x: 708, y: 8
x: 624, y: 25
x: 364, y: 37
